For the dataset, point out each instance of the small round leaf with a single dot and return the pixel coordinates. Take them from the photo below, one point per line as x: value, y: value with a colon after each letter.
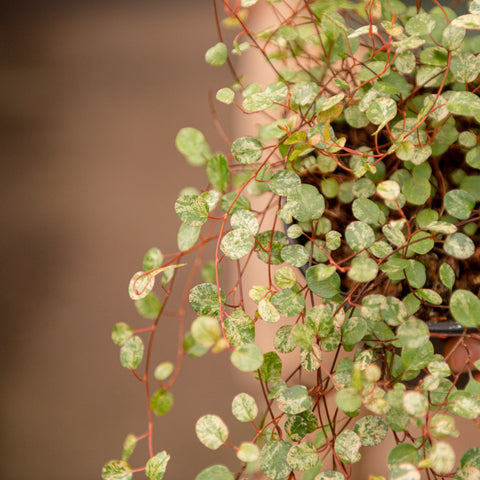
x: 131, y: 353
x: 244, y: 407
x: 156, y: 466
x: 247, y: 358
x: 211, y: 431
x: 247, y: 150
x: 116, y: 470
x: 459, y: 246
x: 161, y: 402
x: 217, y: 55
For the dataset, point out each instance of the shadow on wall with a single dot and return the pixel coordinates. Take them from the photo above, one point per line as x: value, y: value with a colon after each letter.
x: 93, y: 95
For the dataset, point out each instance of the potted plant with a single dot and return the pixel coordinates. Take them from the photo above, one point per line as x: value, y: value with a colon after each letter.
x: 366, y: 162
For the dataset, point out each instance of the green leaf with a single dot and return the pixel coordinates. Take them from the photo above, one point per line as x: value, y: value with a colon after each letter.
x: 465, y: 67
x: 129, y: 446
x: 323, y: 281
x: 285, y: 277
x: 330, y: 475
x: 442, y: 426
x: 303, y: 456
x: 429, y: 296
x: 283, y: 340
x: 295, y: 255
x: 215, y: 472
x: 239, y: 328
x: 163, y: 370
x: 347, y: 446
x: 469, y: 21
x: 309, y: 202
x: 276, y: 91
x: 413, y: 333
x: 203, y: 299
x: 231, y: 202
x: 257, y: 102
x: 310, y: 359
x: 459, y: 246
x: 152, y: 259
x: 288, y: 303
x: 245, y: 219
x: 421, y: 243
x: 218, y: 172
x: 206, y: 331
x: 353, y: 330
x: 161, y: 402
x: 273, y: 459
x: 247, y: 358
x: 225, y: 95
x: 466, y: 104
x: 303, y: 336
x: 283, y: 181
x: 359, y: 236
x: 388, y: 190
x: 192, y: 210
x: 217, y: 55
x: 363, y: 269
x: 459, y: 204
x: 141, y: 284
x: 271, y: 369
x: 211, y: 431
x: 447, y: 275
x: 473, y: 157
x: 452, y: 36
x: 355, y: 117
x: 156, y: 466
x: 244, y: 407
x: 121, y: 333
x: 442, y: 457
x: 394, y: 235
x: 401, y: 454
x: 464, y: 404
x: 116, y: 470
x: 348, y: 400
x: 404, y: 471
x: 191, y: 143
x: 149, y: 306
x: 465, y: 308
x: 367, y: 211
x: 420, y: 24
x: 294, y: 400
x: 187, y: 237
x: 248, y: 452
x: 304, y: 93
x: 247, y: 150
x: 371, y: 430
x: 191, y: 348
x: 272, y: 244
x: 416, y: 190
x: 381, y: 111
x: 393, y: 311
x: 237, y: 243
x: 131, y: 353
x: 267, y: 311
x: 415, y: 403
x: 416, y: 274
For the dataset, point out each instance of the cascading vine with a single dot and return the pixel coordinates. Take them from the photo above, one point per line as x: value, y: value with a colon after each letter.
x: 363, y: 238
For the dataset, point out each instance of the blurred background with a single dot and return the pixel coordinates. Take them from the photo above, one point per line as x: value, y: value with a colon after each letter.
x: 93, y: 94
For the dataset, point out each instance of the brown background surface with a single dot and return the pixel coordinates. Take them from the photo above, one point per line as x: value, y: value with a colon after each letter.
x: 93, y: 94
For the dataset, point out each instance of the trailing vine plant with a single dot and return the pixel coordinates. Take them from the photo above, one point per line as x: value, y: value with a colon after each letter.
x: 367, y: 161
